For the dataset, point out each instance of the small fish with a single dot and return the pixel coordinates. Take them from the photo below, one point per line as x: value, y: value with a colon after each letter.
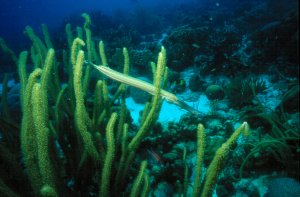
x: 155, y: 156
x: 196, y: 46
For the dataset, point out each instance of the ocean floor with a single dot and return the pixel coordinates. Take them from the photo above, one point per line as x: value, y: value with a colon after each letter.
x: 169, y: 111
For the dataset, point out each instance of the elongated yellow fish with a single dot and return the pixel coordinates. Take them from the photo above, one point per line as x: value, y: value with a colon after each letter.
x: 142, y: 85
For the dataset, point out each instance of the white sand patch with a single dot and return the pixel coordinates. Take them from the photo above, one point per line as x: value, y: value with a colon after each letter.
x: 169, y: 111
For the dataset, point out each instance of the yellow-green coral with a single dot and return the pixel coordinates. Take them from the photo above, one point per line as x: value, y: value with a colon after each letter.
x: 110, y: 154
x: 146, y: 186
x: 58, y: 103
x: 34, y: 128
x: 75, y: 47
x: 79, y: 32
x: 102, y: 53
x: 199, y: 161
x: 69, y: 34
x: 48, y: 191
x: 98, y: 101
x: 28, y: 135
x: 39, y: 47
x: 40, y: 120
x: 219, y: 159
x: 47, y: 71
x: 135, y: 191
x: 46, y: 107
x: 46, y: 36
x: 87, y: 19
x: 81, y: 116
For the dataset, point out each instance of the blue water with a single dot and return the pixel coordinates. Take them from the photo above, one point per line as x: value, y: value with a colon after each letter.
x: 15, y: 15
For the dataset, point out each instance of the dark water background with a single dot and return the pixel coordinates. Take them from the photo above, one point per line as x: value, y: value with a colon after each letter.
x: 16, y: 14
x: 141, y: 17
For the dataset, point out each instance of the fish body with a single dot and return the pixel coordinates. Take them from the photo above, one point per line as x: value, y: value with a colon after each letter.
x: 155, y: 156
x: 143, y: 85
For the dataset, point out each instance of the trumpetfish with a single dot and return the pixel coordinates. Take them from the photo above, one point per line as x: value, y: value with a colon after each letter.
x: 143, y: 85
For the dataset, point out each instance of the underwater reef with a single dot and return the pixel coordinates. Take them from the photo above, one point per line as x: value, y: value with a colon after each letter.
x: 67, y: 147
x: 67, y: 127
